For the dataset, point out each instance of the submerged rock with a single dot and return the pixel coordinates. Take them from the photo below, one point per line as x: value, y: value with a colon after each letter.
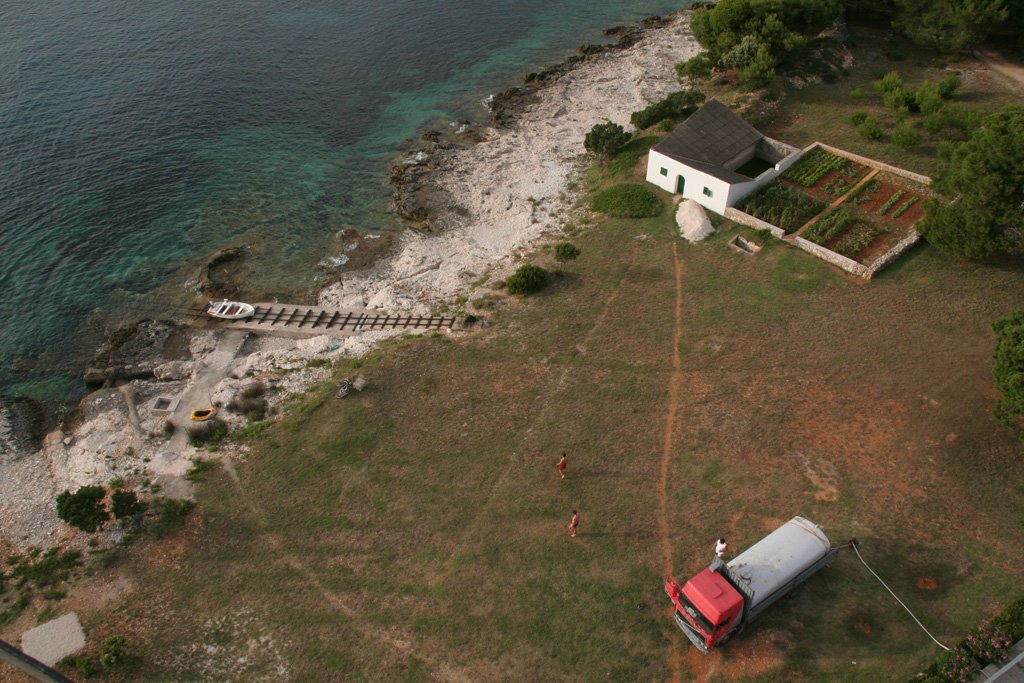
x: 23, y: 424
x: 135, y: 350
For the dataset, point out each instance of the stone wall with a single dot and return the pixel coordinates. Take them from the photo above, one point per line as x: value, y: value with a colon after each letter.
x: 734, y: 214
x: 898, y: 249
x: 849, y: 265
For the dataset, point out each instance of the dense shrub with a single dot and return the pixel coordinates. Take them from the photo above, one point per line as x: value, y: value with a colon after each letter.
x: 990, y: 643
x: 113, y: 651
x: 900, y: 101
x: 952, y: 117
x: 83, y: 509
x: 566, y: 251
x: 696, y: 67
x: 1011, y: 619
x: 890, y: 82
x: 125, y: 504
x: 208, y: 432
x: 629, y: 200
x: 958, y: 666
x: 761, y: 71
x: 1008, y: 370
x: 949, y: 85
x: 906, y: 137
x: 677, y: 105
x: 253, y: 390
x: 254, y: 409
x: 527, y: 279
x: 606, y: 139
x: 858, y: 117
x: 928, y: 98
x: 870, y: 129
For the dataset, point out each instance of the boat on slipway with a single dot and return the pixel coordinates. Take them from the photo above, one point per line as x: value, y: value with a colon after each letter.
x: 229, y: 310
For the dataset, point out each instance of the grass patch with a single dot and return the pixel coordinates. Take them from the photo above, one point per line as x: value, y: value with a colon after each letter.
x: 629, y: 200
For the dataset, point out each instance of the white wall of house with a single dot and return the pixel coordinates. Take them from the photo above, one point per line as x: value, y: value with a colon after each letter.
x: 706, y: 190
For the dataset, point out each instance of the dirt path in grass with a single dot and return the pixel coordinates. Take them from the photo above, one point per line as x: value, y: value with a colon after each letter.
x: 674, y: 383
x: 998, y: 63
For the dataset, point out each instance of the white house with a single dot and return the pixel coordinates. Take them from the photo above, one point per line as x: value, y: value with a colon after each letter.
x: 716, y: 158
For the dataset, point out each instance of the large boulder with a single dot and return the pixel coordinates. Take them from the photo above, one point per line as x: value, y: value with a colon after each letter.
x: 693, y: 221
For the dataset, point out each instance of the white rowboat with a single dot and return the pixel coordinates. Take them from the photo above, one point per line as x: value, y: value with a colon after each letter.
x: 230, y: 310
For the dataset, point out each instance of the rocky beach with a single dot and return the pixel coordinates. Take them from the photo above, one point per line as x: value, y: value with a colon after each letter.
x: 485, y: 197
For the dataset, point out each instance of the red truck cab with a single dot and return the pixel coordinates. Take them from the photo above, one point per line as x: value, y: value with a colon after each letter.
x: 707, y: 608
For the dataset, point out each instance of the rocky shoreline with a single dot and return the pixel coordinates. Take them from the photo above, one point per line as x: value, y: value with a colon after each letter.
x: 486, y: 195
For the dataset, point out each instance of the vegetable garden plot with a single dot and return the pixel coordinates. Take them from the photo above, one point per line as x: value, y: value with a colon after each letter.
x: 825, y: 175
x: 843, y: 231
x: 781, y: 205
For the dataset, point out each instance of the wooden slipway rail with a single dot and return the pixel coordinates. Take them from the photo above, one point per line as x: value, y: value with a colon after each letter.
x: 311, y: 321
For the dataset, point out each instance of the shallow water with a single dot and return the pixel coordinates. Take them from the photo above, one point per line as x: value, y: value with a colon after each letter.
x: 136, y: 138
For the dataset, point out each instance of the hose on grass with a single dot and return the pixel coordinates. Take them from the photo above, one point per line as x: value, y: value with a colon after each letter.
x: 853, y: 544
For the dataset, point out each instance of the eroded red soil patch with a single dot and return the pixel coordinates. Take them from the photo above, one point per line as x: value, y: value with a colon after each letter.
x: 760, y: 653
x: 927, y: 583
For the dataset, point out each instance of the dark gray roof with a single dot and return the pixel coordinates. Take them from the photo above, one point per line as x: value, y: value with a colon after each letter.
x: 710, y: 138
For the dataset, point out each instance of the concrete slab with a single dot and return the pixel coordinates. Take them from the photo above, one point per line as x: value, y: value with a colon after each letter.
x: 54, y: 640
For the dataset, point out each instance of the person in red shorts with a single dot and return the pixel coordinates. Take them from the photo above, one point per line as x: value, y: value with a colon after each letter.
x: 561, y: 465
x: 574, y: 523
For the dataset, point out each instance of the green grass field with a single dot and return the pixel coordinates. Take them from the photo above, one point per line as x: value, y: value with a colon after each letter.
x: 417, y: 531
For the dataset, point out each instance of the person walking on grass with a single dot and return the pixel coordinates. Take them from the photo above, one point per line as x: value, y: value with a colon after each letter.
x: 574, y: 523
x: 561, y: 465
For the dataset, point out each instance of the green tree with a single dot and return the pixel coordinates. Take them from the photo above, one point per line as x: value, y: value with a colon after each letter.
x: 83, y: 509
x: 1009, y: 370
x: 606, y: 139
x: 949, y: 25
x: 757, y: 36
x: 986, y: 174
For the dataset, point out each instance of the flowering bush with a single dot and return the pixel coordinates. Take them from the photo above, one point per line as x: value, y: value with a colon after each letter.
x: 958, y: 666
x: 989, y: 643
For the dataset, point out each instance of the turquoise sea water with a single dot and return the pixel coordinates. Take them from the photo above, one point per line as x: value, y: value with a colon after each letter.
x: 136, y: 138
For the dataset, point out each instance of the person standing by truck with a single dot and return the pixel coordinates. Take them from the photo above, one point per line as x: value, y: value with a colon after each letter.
x: 720, y: 547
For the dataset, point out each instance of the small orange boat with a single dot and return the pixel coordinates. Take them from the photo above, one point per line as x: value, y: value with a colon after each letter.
x: 203, y: 414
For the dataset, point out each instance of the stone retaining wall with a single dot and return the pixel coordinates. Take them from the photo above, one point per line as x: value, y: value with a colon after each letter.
x: 894, y: 253
x: 734, y: 214
x: 847, y: 264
